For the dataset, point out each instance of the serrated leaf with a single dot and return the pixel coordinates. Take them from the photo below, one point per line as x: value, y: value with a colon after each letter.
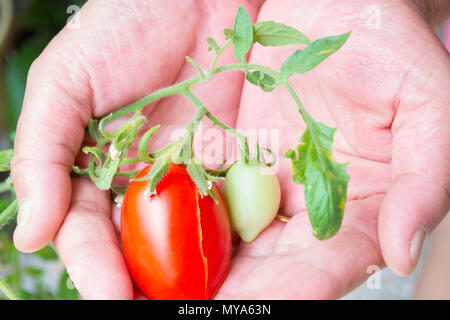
x: 243, y: 34
x: 271, y: 33
x: 5, y: 160
x: 305, y: 60
x: 212, y: 44
x: 325, y: 181
x: 66, y: 289
x: 263, y: 80
x: 197, y: 174
x: 93, y: 130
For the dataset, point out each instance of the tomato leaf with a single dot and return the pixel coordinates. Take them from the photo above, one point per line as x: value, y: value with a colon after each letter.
x: 271, y: 33
x: 47, y: 253
x: 263, y: 80
x: 5, y: 160
x: 305, y: 60
x: 243, y: 34
x: 325, y: 181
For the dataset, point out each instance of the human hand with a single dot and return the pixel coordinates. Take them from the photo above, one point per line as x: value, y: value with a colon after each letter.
x: 122, y: 52
x: 387, y: 92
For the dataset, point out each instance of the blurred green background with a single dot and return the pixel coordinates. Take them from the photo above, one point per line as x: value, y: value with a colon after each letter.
x: 26, y: 27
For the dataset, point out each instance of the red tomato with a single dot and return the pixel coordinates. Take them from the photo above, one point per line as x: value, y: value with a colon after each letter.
x: 177, y: 245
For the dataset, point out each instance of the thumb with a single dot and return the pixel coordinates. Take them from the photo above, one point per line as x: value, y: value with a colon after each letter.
x: 420, y: 194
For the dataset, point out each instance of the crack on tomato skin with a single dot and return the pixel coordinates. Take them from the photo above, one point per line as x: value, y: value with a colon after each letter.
x: 204, y: 258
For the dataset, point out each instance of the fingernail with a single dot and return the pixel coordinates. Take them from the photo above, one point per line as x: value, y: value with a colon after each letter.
x: 416, y: 245
x: 24, y: 215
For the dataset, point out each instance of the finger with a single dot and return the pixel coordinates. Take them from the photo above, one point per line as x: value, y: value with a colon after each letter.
x: 302, y: 267
x: 88, y: 246
x: 420, y: 194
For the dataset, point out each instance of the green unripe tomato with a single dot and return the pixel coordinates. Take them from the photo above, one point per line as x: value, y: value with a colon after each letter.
x: 252, y: 193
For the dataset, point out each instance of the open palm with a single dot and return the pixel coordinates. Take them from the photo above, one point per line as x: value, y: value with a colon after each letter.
x: 379, y: 98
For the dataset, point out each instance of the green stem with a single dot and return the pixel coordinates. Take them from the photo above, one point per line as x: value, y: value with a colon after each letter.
x: 7, y: 291
x: 9, y: 213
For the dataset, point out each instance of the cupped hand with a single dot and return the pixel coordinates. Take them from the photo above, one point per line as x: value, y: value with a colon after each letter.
x: 387, y: 92
x: 122, y: 51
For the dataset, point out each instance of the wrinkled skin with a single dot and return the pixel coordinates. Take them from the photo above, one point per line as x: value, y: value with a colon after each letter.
x: 386, y: 90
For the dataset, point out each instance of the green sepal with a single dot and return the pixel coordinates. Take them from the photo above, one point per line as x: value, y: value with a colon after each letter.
x: 201, y: 179
x: 229, y: 33
x: 271, y: 33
